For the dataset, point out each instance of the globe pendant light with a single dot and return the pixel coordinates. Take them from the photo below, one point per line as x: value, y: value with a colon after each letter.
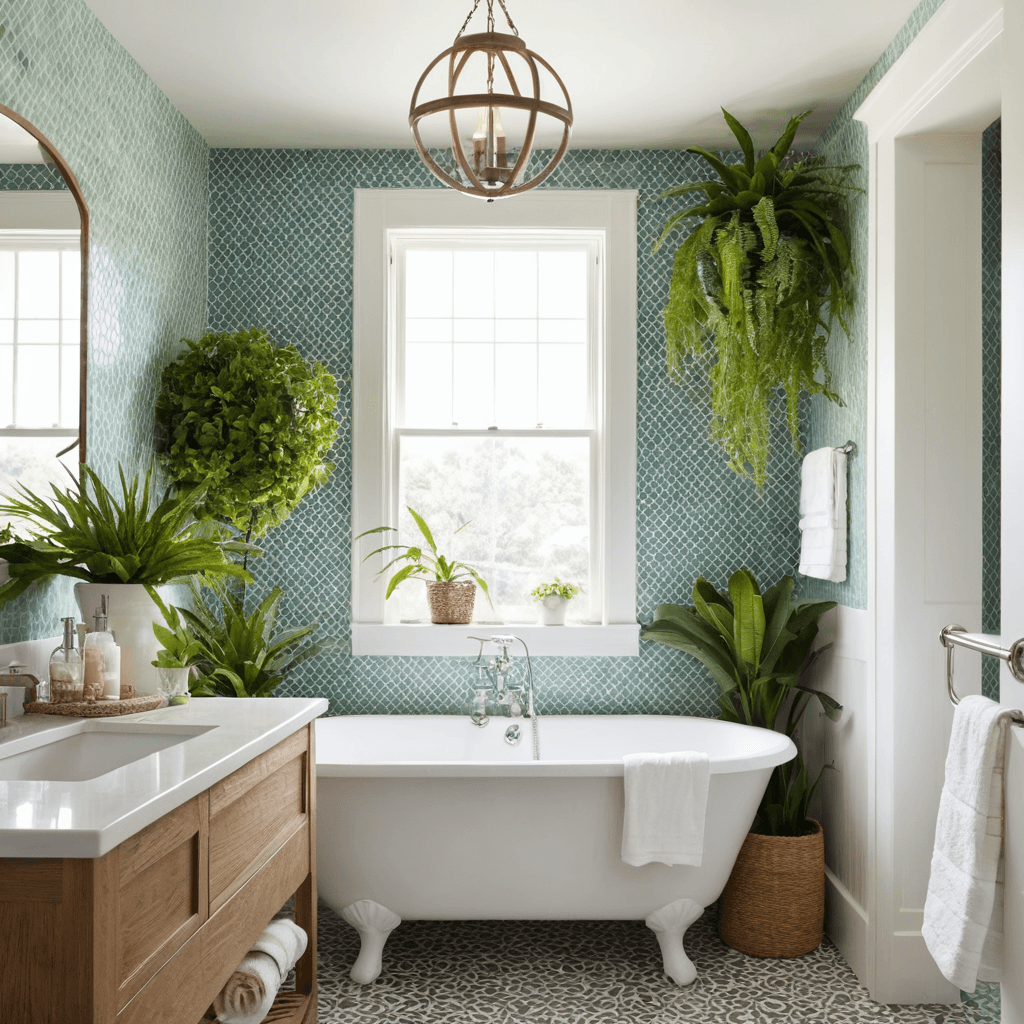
x: 484, y: 164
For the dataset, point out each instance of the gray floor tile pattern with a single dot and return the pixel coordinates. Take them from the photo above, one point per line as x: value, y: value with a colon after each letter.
x: 591, y: 972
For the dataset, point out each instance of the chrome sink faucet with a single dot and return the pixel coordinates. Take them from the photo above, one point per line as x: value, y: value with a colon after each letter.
x: 15, y: 675
x: 503, y: 682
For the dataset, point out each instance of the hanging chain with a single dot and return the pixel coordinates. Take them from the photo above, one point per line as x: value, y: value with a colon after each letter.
x: 469, y: 18
x: 490, y: 17
x: 507, y: 18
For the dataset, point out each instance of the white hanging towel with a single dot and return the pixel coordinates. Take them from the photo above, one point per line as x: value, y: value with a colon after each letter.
x: 823, y: 515
x: 963, y: 911
x: 666, y: 800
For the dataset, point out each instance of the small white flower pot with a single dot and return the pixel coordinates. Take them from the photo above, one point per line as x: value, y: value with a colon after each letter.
x: 552, y: 610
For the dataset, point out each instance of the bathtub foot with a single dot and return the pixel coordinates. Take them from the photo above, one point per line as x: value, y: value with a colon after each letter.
x: 669, y: 924
x: 374, y: 924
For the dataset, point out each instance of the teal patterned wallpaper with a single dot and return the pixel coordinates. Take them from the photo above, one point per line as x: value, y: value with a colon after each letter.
x: 845, y: 142
x: 281, y: 258
x: 30, y: 178
x: 143, y: 171
x: 991, y: 404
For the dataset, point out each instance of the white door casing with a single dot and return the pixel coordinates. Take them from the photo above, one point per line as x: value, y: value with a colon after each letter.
x: 924, y: 122
x: 1012, y: 499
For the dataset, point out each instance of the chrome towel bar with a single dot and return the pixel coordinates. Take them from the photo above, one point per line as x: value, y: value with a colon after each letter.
x: 953, y: 636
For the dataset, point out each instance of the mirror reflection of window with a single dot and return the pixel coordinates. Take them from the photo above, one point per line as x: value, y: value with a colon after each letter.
x: 40, y: 310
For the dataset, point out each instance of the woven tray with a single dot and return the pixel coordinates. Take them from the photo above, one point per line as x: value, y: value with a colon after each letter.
x: 95, y: 709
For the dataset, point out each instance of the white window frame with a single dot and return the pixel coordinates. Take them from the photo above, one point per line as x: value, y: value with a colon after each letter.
x: 610, y: 217
x: 42, y: 240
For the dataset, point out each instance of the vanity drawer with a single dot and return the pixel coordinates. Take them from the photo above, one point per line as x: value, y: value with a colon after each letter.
x: 254, y: 812
x: 161, y: 899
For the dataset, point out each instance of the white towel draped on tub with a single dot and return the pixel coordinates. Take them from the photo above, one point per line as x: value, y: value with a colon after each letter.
x: 963, y: 911
x: 823, y: 515
x: 666, y: 799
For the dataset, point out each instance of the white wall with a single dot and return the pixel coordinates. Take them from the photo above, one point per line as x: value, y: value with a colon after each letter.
x: 842, y: 802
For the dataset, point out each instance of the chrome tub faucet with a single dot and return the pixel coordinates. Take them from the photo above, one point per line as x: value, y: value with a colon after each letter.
x: 504, y: 682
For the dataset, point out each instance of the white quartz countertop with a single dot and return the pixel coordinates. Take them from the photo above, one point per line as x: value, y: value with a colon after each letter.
x: 90, y: 817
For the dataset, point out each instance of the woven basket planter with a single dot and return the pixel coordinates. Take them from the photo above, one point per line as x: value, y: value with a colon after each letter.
x: 774, y: 901
x: 451, y: 603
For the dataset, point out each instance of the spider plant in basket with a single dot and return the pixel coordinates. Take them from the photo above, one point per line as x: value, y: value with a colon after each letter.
x: 757, y: 648
x: 451, y: 585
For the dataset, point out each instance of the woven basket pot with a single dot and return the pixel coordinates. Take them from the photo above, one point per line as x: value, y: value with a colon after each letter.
x: 774, y: 901
x: 451, y: 602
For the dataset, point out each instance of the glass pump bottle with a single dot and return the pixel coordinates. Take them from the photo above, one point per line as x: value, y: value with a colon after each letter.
x: 66, y: 668
x: 101, y: 646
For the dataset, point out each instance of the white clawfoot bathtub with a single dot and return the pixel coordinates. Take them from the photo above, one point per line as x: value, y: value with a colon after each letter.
x: 433, y: 818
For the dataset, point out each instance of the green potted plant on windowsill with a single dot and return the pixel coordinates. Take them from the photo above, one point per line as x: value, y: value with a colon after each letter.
x: 554, y: 599
x: 757, y: 648
x: 451, y: 585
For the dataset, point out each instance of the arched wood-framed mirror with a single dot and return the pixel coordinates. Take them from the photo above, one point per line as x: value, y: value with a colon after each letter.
x: 44, y: 250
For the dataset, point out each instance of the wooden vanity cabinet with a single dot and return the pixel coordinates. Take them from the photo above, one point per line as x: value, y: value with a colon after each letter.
x: 149, y: 933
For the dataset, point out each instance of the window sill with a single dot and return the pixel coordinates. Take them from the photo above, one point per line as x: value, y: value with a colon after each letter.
x: 426, y: 639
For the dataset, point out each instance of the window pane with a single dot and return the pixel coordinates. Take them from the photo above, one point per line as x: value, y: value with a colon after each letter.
x: 71, y: 284
x: 527, y: 503
x: 6, y: 284
x: 6, y: 385
x: 32, y: 462
x: 515, y: 396
x: 37, y: 391
x: 473, y: 330
x: 473, y: 383
x: 38, y: 284
x: 428, y: 330
x: 523, y: 332
x: 69, y: 373
x: 562, y: 284
x: 428, y: 385
x: 562, y: 401
x: 71, y: 332
x: 428, y: 283
x: 572, y: 332
x: 474, y: 284
x: 38, y: 332
x: 515, y: 284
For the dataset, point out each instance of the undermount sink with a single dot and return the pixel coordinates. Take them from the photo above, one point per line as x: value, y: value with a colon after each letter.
x: 94, y: 750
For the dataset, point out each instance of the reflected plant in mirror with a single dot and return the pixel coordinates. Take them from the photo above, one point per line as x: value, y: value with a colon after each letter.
x: 41, y: 335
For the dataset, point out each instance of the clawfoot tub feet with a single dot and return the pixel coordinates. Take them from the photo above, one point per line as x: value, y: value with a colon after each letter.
x: 669, y: 924
x: 374, y: 924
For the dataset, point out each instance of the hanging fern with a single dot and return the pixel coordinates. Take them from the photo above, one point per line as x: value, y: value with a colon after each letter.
x: 756, y: 288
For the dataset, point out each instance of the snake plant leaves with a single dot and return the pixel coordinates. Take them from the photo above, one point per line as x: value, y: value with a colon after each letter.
x: 773, y: 230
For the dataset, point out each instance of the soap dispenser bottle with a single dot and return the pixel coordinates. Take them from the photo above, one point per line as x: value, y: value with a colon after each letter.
x: 66, y: 668
x: 102, y: 642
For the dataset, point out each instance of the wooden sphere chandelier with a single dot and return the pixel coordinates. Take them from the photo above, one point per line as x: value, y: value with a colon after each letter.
x: 485, y: 165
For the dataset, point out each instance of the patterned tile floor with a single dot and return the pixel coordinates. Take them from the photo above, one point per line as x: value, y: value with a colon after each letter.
x: 592, y: 972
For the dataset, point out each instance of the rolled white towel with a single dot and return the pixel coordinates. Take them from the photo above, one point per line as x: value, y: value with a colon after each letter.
x: 250, y: 991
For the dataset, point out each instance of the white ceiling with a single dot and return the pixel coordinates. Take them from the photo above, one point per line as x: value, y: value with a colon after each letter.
x: 340, y: 73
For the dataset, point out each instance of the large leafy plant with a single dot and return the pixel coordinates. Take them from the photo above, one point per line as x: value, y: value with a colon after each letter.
x: 87, y: 533
x: 251, y: 421
x: 236, y: 653
x: 422, y: 562
x: 757, y: 285
x: 757, y: 648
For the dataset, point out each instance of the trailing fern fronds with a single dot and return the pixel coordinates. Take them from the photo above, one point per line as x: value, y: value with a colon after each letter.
x: 756, y: 288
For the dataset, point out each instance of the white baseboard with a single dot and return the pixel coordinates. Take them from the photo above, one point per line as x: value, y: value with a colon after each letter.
x: 846, y: 924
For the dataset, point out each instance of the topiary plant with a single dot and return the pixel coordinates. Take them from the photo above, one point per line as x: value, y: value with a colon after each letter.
x: 252, y: 421
x: 756, y: 287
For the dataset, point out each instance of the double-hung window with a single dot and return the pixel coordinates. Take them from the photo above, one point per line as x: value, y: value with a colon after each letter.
x: 40, y: 353
x: 495, y: 387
